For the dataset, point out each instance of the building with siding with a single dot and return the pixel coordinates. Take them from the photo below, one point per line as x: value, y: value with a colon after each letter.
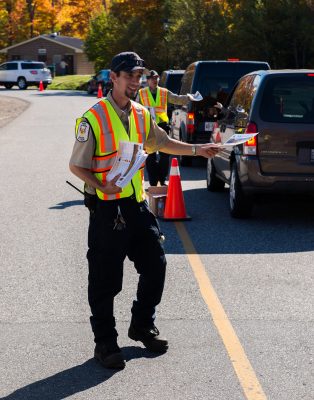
x: 53, y: 49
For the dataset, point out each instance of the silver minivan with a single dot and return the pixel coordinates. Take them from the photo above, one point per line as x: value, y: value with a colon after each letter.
x: 279, y: 106
x: 24, y: 74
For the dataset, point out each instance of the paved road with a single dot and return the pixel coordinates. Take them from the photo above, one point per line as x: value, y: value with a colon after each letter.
x: 261, y: 270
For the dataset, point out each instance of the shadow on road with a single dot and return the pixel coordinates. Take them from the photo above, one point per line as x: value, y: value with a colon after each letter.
x: 65, y: 383
x: 281, y: 224
x: 74, y: 380
x: 278, y: 225
x: 68, y: 93
x: 35, y: 92
x: 66, y: 204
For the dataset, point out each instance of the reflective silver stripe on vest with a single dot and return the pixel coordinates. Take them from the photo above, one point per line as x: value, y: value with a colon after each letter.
x: 109, y: 138
x: 111, y: 197
x: 103, y: 163
x: 141, y: 123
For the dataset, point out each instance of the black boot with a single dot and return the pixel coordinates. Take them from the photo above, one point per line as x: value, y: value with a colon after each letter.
x: 109, y: 355
x: 150, y: 338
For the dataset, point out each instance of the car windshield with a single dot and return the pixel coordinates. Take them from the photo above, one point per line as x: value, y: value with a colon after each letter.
x: 174, y: 82
x: 289, y: 99
x: 216, y: 80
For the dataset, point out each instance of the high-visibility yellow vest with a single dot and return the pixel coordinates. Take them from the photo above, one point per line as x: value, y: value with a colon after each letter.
x: 160, y: 104
x: 108, y: 131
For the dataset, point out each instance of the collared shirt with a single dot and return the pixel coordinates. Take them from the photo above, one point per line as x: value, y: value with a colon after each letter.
x: 179, y: 99
x: 83, y: 151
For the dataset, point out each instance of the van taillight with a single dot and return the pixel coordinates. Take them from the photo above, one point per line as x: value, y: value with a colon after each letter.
x: 310, y: 74
x: 190, y: 123
x: 250, y: 147
x: 233, y: 59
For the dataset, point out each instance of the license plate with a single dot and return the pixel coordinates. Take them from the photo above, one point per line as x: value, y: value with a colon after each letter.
x: 312, y: 155
x: 209, y: 126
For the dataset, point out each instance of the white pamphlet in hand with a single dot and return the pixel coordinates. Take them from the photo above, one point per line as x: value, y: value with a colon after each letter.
x: 238, y: 139
x: 195, y: 97
x: 128, y: 160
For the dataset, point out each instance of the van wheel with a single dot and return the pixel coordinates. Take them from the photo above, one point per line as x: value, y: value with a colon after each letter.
x: 185, y: 161
x: 240, y: 205
x: 21, y: 83
x: 8, y: 85
x: 214, y: 184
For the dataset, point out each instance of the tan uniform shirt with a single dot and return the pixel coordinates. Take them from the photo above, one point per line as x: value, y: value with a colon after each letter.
x: 83, y: 151
x: 178, y: 99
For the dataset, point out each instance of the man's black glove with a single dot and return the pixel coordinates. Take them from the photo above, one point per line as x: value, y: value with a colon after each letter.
x: 90, y: 201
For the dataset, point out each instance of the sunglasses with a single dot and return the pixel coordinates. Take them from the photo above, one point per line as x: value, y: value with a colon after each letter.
x: 129, y: 64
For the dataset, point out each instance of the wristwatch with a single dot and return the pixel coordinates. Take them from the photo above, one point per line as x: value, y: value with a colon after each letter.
x: 193, y: 150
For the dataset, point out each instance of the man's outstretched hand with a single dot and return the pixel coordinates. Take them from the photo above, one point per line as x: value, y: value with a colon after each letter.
x: 208, y: 150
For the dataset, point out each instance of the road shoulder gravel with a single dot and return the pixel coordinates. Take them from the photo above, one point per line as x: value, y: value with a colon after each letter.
x: 11, y: 108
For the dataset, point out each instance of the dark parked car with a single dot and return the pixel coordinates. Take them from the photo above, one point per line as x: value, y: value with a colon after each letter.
x: 279, y: 105
x: 171, y: 79
x: 194, y: 122
x: 102, y: 77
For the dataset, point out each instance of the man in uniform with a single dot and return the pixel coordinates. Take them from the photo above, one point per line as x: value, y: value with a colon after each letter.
x: 120, y: 222
x: 156, y: 99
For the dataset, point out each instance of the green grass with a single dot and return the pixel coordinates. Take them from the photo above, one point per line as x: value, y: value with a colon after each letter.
x: 69, y: 82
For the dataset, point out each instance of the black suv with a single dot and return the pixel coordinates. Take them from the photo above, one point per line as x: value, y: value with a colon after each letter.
x: 171, y: 79
x: 194, y: 122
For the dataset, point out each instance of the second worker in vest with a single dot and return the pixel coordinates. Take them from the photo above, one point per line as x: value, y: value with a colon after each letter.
x: 156, y: 98
x: 120, y: 223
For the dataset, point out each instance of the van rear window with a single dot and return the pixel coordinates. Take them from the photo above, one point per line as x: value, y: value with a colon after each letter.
x: 105, y: 74
x: 174, y: 82
x: 288, y: 99
x: 216, y: 80
x: 32, y: 65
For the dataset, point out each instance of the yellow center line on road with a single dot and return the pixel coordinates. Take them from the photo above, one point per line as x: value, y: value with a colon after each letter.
x: 241, y: 364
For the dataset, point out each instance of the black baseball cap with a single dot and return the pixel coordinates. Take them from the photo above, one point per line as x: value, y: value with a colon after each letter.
x: 127, y: 61
x: 152, y: 74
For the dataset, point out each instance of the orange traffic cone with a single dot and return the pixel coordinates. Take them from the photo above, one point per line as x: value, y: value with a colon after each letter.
x: 41, y: 86
x: 99, y: 93
x: 175, y: 207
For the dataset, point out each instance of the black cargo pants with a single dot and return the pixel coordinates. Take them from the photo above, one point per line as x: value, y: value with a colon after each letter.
x: 108, y: 248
